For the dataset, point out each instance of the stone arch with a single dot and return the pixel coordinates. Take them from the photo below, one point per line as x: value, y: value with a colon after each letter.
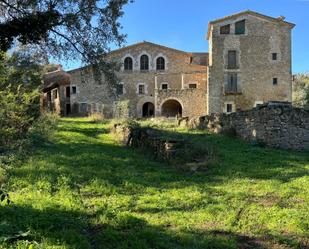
x: 148, y: 110
x: 149, y: 60
x: 140, y: 104
x: 165, y: 59
x: 133, y: 62
x: 171, y: 108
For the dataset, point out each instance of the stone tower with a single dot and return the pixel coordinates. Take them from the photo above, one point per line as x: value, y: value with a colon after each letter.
x: 249, y: 61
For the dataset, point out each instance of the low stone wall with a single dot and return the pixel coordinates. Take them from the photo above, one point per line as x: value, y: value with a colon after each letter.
x: 162, y: 147
x: 274, y: 124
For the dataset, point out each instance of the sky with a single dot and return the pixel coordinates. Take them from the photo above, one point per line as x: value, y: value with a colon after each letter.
x: 182, y: 24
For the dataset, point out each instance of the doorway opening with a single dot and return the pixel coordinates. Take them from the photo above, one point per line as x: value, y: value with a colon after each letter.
x: 148, y: 110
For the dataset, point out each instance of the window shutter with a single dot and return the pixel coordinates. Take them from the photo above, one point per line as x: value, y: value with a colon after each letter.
x: 226, y: 83
x: 231, y: 59
x: 234, y: 83
x: 240, y: 27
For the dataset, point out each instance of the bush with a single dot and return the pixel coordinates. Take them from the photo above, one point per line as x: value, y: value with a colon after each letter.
x: 301, y: 91
x: 18, y: 112
x: 43, y: 128
x: 96, y: 117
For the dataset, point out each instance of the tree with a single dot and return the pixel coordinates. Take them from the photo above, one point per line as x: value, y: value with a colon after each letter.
x: 301, y: 91
x: 24, y: 66
x: 65, y: 29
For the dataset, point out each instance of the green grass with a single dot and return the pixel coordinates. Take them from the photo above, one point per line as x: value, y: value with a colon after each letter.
x: 85, y: 190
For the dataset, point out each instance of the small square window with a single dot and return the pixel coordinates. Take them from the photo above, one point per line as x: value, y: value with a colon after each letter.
x: 275, y: 81
x: 73, y: 89
x: 192, y: 86
x: 164, y: 86
x: 225, y: 30
x: 257, y: 103
x: 141, y: 89
x: 229, y: 108
x: 274, y: 56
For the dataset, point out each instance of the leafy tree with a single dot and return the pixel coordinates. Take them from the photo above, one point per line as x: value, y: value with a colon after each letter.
x: 65, y: 29
x: 24, y: 66
x: 301, y: 91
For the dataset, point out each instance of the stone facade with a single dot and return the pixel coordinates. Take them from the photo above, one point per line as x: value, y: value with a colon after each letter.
x: 249, y: 63
x: 274, y: 124
x: 179, y: 72
x: 261, y: 68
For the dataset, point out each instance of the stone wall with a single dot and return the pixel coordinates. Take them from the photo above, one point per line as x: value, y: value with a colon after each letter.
x: 276, y: 125
x: 162, y: 147
x: 192, y: 101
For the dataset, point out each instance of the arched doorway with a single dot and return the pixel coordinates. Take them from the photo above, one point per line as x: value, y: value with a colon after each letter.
x: 148, y: 110
x: 171, y: 108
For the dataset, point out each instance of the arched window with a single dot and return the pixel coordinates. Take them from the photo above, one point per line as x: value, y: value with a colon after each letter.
x: 128, y: 64
x: 144, y: 62
x: 160, y: 63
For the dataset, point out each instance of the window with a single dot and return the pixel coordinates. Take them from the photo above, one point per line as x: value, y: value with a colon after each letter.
x: 164, y: 86
x: 274, y: 56
x: 119, y: 89
x: 49, y: 98
x: 73, y: 89
x: 55, y: 94
x: 232, y: 59
x: 160, y: 63
x: 128, y: 64
x: 225, y: 30
x: 256, y: 103
x: 67, y: 92
x: 144, y: 62
x: 141, y: 89
x: 192, y: 86
x: 275, y: 81
x: 240, y: 27
x: 231, y: 83
x: 83, y: 107
x: 229, y: 108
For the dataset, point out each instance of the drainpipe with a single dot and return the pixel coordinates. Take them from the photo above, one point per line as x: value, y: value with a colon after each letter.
x: 156, y: 110
x: 182, y: 81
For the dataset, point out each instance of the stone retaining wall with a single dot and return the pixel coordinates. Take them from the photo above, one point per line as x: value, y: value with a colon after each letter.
x: 274, y: 124
x: 161, y: 146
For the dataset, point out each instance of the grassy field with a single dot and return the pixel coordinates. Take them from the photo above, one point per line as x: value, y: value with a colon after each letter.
x: 85, y: 190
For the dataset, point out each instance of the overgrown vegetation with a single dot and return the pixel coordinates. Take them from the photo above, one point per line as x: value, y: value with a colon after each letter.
x: 85, y: 190
x: 301, y: 91
x: 21, y: 123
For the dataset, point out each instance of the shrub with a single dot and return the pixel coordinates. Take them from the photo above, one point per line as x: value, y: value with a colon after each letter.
x: 18, y: 111
x: 43, y: 128
x: 96, y: 117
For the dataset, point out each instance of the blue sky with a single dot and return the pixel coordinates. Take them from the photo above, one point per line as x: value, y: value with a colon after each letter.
x: 182, y: 24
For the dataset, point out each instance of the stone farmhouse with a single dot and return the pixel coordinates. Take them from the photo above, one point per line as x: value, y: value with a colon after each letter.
x: 249, y: 63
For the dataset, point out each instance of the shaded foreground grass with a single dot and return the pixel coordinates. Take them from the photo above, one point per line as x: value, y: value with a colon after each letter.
x: 84, y: 190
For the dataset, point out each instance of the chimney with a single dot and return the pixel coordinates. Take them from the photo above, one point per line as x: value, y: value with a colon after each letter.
x: 281, y: 18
